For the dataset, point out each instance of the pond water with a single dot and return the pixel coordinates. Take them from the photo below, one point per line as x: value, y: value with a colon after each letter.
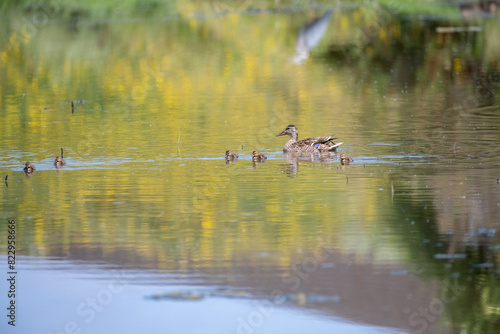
x: 147, y: 228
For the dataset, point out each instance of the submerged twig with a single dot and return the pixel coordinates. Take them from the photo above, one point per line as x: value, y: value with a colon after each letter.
x: 392, y: 191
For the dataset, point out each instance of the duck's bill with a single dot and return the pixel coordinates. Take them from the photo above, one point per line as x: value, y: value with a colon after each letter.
x: 281, y: 134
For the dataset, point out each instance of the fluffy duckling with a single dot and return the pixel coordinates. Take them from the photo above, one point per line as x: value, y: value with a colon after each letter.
x: 59, y: 161
x: 230, y: 155
x: 258, y: 157
x: 28, y: 168
x: 345, y: 160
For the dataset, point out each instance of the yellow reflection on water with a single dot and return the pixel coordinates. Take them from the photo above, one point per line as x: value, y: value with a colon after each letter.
x: 164, y: 100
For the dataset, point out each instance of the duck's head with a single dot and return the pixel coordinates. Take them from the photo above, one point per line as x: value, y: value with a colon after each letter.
x: 228, y: 153
x: 342, y: 156
x: 58, y: 158
x: 27, y: 164
x: 290, y: 130
x: 255, y: 153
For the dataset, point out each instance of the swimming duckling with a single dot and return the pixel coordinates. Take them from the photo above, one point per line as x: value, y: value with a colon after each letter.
x: 230, y: 155
x: 258, y: 157
x: 28, y: 168
x: 59, y: 161
x: 345, y: 160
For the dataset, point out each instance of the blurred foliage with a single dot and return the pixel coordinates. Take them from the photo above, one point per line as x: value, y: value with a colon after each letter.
x: 144, y: 8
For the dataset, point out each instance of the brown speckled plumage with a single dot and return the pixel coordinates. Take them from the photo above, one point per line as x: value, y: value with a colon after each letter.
x: 307, y: 145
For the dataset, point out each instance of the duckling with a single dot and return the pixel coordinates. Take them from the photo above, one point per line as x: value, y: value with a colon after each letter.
x: 258, y: 157
x: 59, y: 161
x: 345, y: 160
x: 231, y: 156
x: 28, y: 168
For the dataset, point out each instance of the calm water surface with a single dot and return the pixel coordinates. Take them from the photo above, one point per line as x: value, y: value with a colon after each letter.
x: 148, y: 229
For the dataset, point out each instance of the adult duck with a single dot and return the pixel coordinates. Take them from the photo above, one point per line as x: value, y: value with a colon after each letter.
x: 309, y: 144
x: 59, y: 161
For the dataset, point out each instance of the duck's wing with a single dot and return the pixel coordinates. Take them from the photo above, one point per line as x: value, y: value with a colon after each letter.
x: 328, y: 146
x: 315, y: 140
x: 321, y: 143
